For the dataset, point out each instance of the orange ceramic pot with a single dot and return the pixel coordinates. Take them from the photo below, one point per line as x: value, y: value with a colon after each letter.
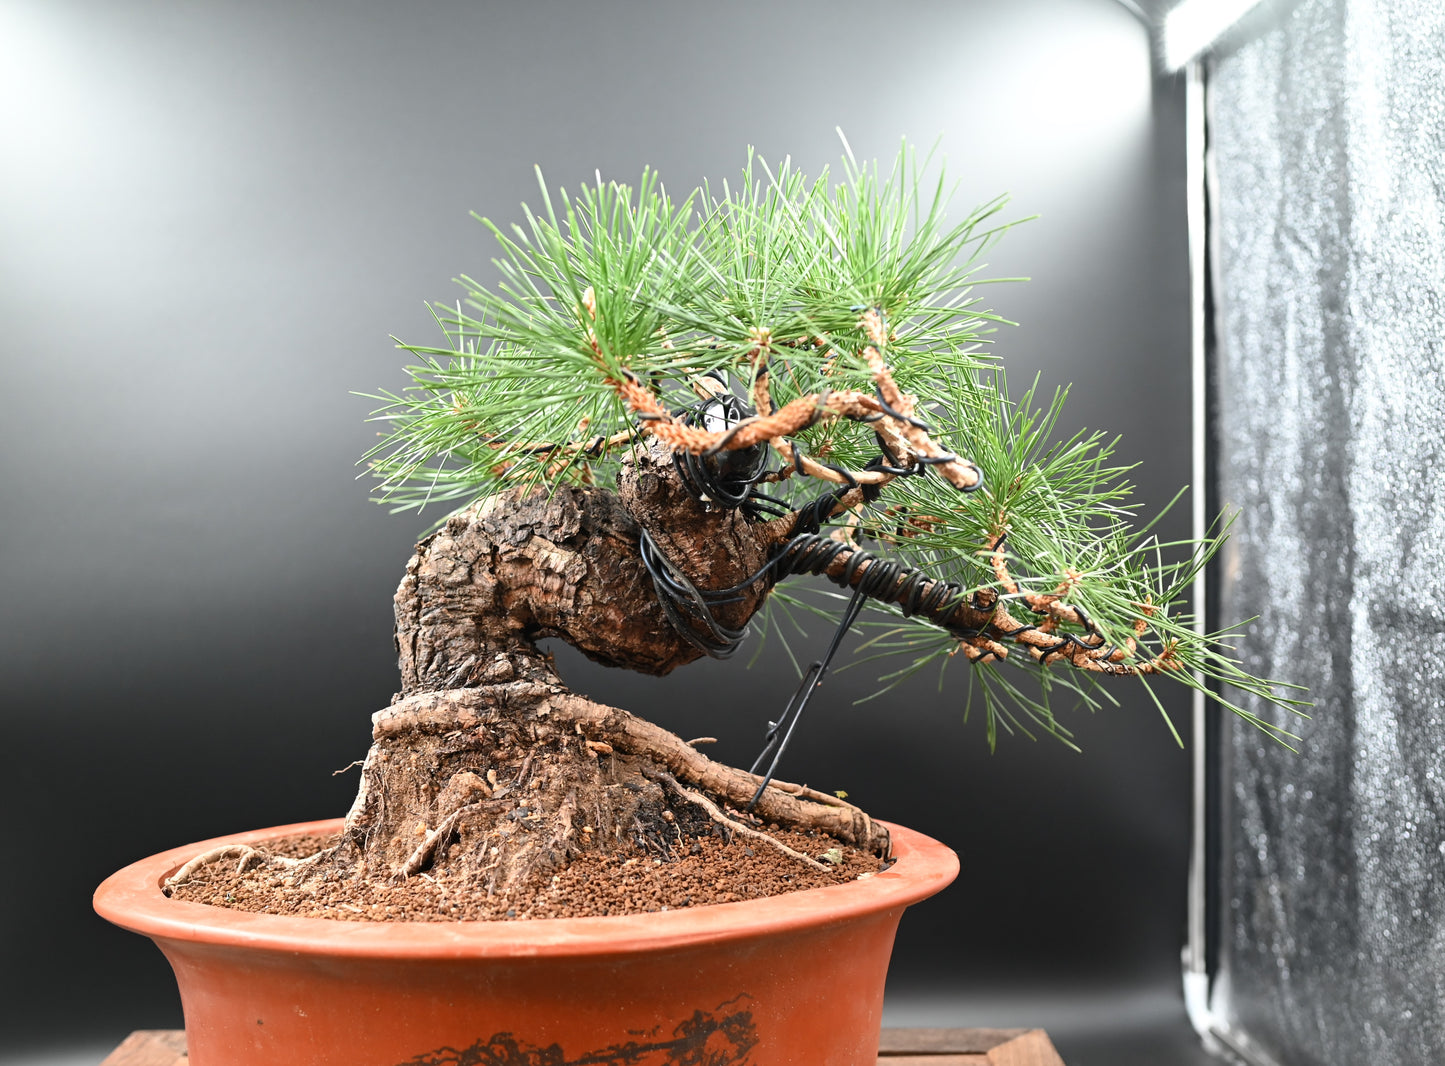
x: 791, y: 979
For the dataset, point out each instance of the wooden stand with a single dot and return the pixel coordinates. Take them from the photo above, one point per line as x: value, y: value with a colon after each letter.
x: 898, y: 1047
x: 965, y: 1047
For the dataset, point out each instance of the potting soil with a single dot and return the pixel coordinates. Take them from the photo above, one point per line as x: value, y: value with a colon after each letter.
x: 707, y: 870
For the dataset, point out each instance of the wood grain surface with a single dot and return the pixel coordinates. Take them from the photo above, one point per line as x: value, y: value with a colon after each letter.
x: 150, y: 1047
x: 896, y: 1047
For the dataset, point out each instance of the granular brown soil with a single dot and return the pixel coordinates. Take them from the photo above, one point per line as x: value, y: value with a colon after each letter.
x: 711, y: 871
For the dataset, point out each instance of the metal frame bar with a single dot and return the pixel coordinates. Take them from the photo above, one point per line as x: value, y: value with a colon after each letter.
x: 1200, y: 961
x: 1196, y: 972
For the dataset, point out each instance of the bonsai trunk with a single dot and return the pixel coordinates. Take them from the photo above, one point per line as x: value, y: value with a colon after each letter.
x: 486, y: 767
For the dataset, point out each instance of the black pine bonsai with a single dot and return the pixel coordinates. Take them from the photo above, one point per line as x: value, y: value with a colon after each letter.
x: 665, y: 409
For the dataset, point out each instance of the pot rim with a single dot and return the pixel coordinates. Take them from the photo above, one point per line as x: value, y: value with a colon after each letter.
x: 132, y: 899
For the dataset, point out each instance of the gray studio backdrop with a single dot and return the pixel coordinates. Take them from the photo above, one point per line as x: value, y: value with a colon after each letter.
x: 1328, y: 134
x: 211, y: 218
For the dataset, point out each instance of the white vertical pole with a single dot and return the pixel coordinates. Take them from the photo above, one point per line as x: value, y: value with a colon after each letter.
x: 1196, y: 977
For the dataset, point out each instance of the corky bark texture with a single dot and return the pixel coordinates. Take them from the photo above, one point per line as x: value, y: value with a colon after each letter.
x: 518, y: 567
x: 503, y: 784
x: 486, y: 769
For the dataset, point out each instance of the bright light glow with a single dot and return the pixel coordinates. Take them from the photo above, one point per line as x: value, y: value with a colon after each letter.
x: 1193, y: 25
x: 42, y: 105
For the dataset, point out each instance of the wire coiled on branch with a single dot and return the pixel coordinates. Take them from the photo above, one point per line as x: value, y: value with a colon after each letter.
x: 729, y: 479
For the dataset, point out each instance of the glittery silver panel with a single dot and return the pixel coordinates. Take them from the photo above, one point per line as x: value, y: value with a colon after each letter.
x: 1329, y: 141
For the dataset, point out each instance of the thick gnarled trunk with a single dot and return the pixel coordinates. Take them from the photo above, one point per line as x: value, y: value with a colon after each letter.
x: 486, y: 769
x: 515, y: 568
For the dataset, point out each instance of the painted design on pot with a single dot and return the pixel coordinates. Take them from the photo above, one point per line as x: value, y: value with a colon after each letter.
x: 709, y: 1038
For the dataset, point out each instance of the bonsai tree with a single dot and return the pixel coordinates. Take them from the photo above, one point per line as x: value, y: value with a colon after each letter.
x: 667, y: 408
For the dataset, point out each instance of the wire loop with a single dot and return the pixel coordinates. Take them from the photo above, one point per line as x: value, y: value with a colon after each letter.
x: 728, y: 478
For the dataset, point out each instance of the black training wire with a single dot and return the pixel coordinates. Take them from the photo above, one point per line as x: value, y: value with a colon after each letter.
x: 678, y: 594
x: 727, y: 479
x: 781, y: 731
x: 910, y: 588
x: 721, y: 478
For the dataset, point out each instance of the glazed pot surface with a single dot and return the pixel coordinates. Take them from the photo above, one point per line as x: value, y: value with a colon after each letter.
x: 790, y: 979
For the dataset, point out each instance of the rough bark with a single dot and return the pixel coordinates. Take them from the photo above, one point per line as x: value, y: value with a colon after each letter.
x: 503, y: 784
x: 486, y: 768
x: 515, y: 568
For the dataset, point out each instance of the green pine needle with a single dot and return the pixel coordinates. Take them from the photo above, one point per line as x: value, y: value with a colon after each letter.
x: 616, y: 281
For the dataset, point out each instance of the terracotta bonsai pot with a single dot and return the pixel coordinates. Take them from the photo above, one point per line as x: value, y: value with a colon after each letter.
x: 791, y: 979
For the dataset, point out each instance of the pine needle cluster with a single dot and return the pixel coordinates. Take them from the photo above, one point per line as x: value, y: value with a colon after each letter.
x: 822, y: 296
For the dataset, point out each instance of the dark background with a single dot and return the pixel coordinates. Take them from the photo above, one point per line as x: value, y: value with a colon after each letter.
x: 211, y: 218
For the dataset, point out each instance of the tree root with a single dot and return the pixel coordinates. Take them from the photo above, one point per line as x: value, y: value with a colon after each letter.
x: 248, y: 857
x: 424, y: 852
x: 555, y: 710
x: 499, y: 787
x: 718, y: 815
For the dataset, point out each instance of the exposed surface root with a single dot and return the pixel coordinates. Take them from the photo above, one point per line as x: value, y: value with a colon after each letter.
x: 247, y: 857
x: 419, y: 859
x: 503, y: 787
x: 490, y: 802
x: 717, y: 814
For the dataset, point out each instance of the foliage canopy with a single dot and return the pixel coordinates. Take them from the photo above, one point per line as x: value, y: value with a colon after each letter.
x: 846, y: 302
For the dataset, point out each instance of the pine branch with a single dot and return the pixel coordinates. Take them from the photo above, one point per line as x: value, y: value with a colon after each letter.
x: 839, y: 316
